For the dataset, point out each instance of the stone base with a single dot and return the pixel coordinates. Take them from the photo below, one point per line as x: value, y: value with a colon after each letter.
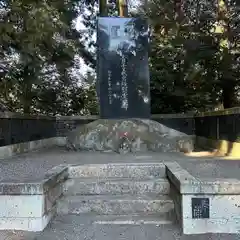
x: 30, y: 206
x: 230, y: 226
x: 223, y: 214
x: 128, y: 135
x: 31, y: 224
x: 12, y: 150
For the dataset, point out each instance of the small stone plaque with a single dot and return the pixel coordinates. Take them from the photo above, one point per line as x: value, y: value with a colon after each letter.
x: 200, y: 208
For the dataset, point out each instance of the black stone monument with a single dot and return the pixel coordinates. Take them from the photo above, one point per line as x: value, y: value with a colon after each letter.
x: 122, y: 68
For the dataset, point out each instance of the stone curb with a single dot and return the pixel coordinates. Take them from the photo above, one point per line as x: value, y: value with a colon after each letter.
x: 36, y: 187
x: 180, y: 178
x: 185, y: 183
x: 31, y: 206
x: 215, y: 187
x: 12, y: 150
x: 55, y: 176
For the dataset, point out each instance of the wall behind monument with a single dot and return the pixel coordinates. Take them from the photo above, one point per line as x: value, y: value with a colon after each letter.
x: 218, y: 125
x: 17, y: 128
x: 217, y: 130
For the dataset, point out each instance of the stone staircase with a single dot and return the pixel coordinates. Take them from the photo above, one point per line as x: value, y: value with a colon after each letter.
x: 116, y: 201
x: 118, y: 194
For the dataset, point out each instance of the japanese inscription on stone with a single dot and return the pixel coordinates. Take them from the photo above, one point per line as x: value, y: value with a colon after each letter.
x: 200, y: 208
x: 109, y: 87
x: 124, y: 84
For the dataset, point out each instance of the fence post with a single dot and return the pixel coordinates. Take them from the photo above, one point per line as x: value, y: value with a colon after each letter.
x: 194, y: 126
x: 217, y: 130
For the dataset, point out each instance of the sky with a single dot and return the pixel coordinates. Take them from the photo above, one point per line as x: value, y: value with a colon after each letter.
x: 80, y: 26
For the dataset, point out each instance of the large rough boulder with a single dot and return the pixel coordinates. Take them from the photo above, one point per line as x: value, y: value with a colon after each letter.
x: 132, y: 135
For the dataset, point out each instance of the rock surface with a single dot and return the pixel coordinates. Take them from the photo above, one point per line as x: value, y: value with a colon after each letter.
x: 134, y: 135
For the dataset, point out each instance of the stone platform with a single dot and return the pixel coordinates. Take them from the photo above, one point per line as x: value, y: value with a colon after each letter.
x: 206, y: 196
x: 188, y: 177
x: 29, y: 206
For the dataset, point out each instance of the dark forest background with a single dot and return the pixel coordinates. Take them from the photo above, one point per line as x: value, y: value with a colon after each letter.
x: 194, y: 55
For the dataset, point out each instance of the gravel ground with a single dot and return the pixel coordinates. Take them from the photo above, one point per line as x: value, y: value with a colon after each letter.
x: 17, y: 235
x: 213, y: 169
x: 77, y: 228
x: 34, y: 165
x: 29, y: 166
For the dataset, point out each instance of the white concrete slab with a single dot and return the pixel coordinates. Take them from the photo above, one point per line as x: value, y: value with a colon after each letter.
x: 224, y: 215
x: 224, y: 202
x: 202, y: 226
x: 21, y: 206
x: 32, y: 210
x: 31, y: 224
x: 221, y: 206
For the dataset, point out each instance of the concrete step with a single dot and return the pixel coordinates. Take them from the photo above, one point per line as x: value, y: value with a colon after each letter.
x: 129, y: 219
x: 128, y: 170
x: 140, y: 219
x: 114, y: 186
x: 115, y: 204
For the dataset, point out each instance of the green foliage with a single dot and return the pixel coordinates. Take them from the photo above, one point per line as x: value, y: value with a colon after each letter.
x: 190, y: 68
x: 39, y: 48
x: 193, y: 65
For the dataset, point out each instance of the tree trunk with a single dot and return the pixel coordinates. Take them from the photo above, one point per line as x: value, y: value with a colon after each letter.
x: 123, y: 8
x: 28, y: 75
x: 228, y: 82
x: 228, y: 95
x: 27, y: 97
x: 103, y: 11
